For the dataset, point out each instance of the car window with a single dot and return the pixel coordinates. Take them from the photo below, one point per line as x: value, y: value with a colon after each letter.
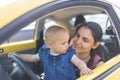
x: 98, y: 15
x: 47, y: 24
x: 101, y: 19
x: 109, y: 39
x: 26, y: 33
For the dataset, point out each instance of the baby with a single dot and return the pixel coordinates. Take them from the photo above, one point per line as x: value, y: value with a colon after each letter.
x: 58, y: 59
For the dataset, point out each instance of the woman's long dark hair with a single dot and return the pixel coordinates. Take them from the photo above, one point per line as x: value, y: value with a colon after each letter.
x: 97, y: 35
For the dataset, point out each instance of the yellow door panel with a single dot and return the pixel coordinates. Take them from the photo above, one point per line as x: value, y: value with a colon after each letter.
x: 113, y: 75
x: 101, y: 69
x: 17, y: 46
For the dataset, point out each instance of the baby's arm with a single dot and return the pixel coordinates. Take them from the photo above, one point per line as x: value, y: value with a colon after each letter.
x: 81, y: 65
x: 28, y: 57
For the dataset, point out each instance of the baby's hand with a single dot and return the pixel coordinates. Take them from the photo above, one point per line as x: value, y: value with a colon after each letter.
x: 86, y: 71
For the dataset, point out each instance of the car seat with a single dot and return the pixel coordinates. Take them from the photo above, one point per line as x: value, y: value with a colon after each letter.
x: 112, y: 44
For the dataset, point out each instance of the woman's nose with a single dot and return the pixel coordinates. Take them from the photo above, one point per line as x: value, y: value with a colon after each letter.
x: 79, y: 41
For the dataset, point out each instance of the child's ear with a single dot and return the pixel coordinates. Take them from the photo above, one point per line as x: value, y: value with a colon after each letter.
x: 96, y: 45
x: 49, y: 44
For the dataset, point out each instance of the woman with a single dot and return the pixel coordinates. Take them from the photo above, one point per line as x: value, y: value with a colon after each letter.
x: 80, y: 19
x: 86, y: 43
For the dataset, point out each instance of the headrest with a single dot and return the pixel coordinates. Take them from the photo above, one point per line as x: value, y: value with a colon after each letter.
x: 109, y: 30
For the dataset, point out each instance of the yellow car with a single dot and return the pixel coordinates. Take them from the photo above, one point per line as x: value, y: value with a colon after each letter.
x: 22, y: 27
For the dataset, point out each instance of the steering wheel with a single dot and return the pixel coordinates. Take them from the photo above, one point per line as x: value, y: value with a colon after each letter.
x: 22, y: 65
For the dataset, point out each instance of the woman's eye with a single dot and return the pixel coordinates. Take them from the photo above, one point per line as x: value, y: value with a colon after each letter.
x: 86, y: 40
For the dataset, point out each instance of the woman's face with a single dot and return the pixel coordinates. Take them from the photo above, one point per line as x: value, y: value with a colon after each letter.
x: 83, y: 41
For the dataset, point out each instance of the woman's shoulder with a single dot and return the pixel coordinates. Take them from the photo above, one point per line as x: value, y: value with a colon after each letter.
x: 97, y: 57
x: 96, y: 60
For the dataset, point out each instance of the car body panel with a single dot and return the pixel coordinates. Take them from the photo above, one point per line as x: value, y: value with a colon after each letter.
x: 101, y: 69
x: 20, y: 8
x: 12, y: 9
x: 113, y: 75
x: 18, y: 46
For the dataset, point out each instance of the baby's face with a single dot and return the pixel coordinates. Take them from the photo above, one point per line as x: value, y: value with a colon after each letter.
x: 60, y: 44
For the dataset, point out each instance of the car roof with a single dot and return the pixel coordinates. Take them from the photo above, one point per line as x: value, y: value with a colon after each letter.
x: 11, y: 9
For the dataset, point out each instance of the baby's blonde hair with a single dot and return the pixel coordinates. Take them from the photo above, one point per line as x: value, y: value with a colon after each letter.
x: 52, y: 31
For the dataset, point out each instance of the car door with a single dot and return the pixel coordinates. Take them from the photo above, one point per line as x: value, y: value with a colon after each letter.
x: 40, y: 13
x: 20, y: 41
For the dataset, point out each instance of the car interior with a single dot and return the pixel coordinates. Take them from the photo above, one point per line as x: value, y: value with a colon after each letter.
x: 109, y: 39
x: 65, y: 18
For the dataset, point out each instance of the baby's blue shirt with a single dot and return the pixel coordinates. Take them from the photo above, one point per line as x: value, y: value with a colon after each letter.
x: 57, y: 67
